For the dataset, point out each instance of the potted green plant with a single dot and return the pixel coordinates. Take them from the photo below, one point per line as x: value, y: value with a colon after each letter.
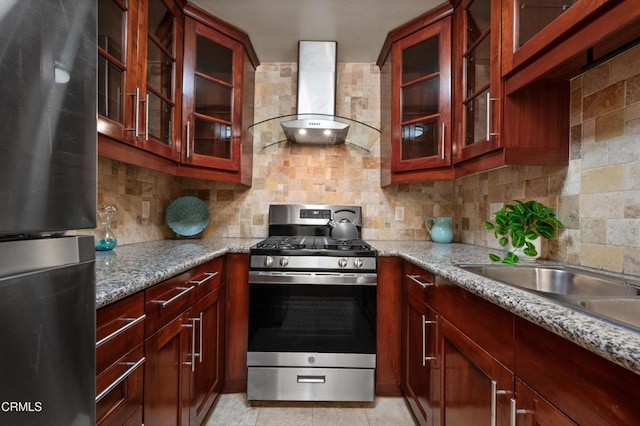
x: 521, y: 223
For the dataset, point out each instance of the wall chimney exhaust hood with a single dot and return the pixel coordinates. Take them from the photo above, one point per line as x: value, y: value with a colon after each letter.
x: 315, y: 121
x: 316, y: 101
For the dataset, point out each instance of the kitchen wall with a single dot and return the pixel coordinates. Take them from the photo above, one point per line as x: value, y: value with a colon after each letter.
x: 597, y: 195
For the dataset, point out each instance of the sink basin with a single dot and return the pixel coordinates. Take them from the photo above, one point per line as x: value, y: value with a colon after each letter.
x: 555, y: 280
x: 624, y: 310
x: 603, y: 296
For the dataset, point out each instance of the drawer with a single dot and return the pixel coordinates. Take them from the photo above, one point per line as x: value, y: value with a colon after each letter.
x: 419, y: 282
x: 119, y: 327
x: 207, y: 277
x: 119, y: 389
x: 167, y: 300
x: 316, y: 384
x: 490, y: 326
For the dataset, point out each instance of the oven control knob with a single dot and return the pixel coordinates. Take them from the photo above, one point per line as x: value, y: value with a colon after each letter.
x: 358, y: 262
x: 268, y: 261
x: 342, y: 262
x: 284, y: 261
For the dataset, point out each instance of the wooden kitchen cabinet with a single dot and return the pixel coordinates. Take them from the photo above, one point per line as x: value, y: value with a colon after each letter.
x: 208, y: 313
x: 587, y: 388
x: 417, y: 142
x: 184, y: 346
x: 476, y: 337
x: 530, y: 127
x: 420, y: 347
x: 120, y: 362
x: 496, y: 365
x: 139, y: 70
x: 555, y: 39
x: 218, y: 91
x: 147, y: 118
x: 117, y: 69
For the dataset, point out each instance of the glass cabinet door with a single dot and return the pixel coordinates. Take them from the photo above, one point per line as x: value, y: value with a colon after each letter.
x: 423, y: 86
x: 532, y: 26
x: 160, y: 107
x: 533, y: 15
x: 116, y: 70
x: 211, y: 101
x: 478, y: 74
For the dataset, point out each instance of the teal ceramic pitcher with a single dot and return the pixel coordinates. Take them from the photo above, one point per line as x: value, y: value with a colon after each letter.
x: 440, y: 229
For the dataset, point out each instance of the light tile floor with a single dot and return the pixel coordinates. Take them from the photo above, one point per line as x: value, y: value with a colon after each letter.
x: 234, y: 409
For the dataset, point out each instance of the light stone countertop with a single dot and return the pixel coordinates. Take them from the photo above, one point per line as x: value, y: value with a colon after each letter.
x: 131, y: 268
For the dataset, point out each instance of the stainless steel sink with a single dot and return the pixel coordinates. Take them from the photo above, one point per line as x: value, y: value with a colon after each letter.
x: 603, y: 296
x: 624, y: 310
x: 552, y: 279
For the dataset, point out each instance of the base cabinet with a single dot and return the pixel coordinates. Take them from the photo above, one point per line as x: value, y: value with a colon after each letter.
x: 160, y: 352
x: 469, y: 361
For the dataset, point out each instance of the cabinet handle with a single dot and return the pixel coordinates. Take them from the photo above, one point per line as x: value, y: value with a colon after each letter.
x: 188, y: 139
x: 426, y: 358
x: 426, y: 322
x: 137, y: 128
x: 193, y: 344
x: 415, y: 279
x: 514, y: 411
x: 209, y: 275
x: 489, y: 100
x: 130, y: 323
x: 146, y: 119
x: 494, y: 400
x: 184, y: 291
x: 123, y: 377
x: 201, y: 348
x: 442, y: 140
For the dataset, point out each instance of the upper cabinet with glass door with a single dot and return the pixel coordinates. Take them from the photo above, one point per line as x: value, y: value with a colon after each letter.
x: 217, y: 95
x: 117, y: 30
x: 160, y: 77
x: 209, y: 83
x: 477, y: 71
x: 419, y: 123
x: 139, y: 71
x: 562, y: 36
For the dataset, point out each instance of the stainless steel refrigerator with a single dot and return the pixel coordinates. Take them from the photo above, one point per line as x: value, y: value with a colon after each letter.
x: 47, y: 187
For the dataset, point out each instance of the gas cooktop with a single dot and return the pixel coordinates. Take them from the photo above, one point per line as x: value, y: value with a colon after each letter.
x: 305, y: 245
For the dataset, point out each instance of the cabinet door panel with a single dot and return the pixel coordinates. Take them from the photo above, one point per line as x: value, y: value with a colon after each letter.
x: 169, y: 360
x: 476, y: 387
x: 534, y: 410
x: 209, y: 372
x: 421, y: 85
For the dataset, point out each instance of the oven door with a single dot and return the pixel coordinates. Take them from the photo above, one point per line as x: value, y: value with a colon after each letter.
x: 322, y: 313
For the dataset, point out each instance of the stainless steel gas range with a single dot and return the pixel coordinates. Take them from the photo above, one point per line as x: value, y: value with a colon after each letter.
x: 312, y: 309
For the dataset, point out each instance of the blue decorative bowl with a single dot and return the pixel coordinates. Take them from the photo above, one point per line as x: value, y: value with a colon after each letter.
x: 187, y: 216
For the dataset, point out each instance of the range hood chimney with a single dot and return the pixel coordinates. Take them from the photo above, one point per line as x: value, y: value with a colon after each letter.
x: 316, y: 101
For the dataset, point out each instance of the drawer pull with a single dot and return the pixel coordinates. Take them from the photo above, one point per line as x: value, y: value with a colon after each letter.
x: 311, y: 379
x: 184, y: 291
x: 209, y: 275
x: 122, y: 378
x: 130, y: 323
x: 415, y: 279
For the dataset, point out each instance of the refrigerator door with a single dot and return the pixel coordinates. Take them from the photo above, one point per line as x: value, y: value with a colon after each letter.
x: 47, y: 116
x: 47, y: 332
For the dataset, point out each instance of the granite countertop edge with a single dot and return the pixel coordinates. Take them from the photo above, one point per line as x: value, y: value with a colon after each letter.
x: 132, y: 268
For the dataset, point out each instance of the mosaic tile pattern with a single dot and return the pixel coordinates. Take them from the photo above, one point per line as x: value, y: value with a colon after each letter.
x: 597, y: 195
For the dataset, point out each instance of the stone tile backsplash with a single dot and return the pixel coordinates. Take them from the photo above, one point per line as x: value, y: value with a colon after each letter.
x: 597, y: 195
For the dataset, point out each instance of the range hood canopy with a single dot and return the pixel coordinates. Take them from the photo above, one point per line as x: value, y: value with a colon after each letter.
x: 315, y: 121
